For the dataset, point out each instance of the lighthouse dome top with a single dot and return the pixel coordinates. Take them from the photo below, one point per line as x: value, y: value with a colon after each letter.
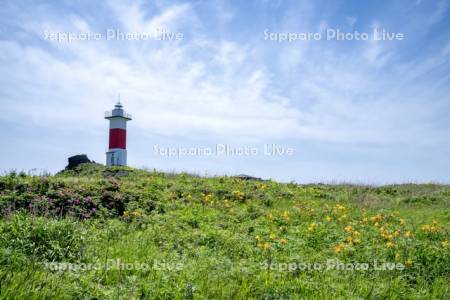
x: 118, y: 105
x: 117, y: 112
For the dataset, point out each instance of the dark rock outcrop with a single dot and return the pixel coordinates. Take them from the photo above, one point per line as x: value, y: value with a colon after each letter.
x: 76, y: 160
x: 247, y: 177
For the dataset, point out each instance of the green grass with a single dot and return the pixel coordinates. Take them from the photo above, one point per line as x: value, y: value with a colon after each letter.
x: 150, y: 235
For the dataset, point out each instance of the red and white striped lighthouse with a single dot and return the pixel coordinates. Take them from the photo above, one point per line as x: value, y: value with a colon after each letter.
x: 117, y: 153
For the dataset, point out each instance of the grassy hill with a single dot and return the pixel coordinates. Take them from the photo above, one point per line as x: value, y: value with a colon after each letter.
x: 122, y: 233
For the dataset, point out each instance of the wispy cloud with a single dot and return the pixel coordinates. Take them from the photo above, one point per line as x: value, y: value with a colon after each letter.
x: 219, y: 86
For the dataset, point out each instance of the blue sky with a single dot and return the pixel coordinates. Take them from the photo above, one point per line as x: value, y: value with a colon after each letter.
x: 361, y: 111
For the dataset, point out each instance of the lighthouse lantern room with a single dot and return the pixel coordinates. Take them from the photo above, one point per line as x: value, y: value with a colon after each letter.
x: 117, y: 153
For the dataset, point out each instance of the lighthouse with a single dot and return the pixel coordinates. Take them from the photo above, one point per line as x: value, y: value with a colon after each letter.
x: 117, y: 150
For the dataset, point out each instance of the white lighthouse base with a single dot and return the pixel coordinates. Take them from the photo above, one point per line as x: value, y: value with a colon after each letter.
x: 116, y: 157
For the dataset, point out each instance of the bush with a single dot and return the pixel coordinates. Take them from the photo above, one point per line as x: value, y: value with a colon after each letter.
x: 42, y: 238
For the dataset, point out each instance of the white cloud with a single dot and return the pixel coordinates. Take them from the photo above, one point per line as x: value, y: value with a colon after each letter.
x: 198, y: 87
x: 365, y: 100
x: 167, y: 91
x: 132, y: 16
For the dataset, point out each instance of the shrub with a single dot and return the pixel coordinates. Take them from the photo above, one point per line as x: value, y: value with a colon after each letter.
x: 46, y: 239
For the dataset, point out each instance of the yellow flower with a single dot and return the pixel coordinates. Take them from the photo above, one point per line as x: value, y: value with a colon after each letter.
x: 402, y: 222
x: 408, y: 234
x: 444, y: 244
x: 270, y: 216
x: 426, y: 228
x: 389, y: 245
x: 348, y: 228
x: 284, y: 241
x: 272, y: 236
x: 328, y: 218
x: 137, y: 213
x: 312, y: 227
x: 376, y: 218
x: 408, y: 263
x: 266, y: 246
x: 397, y: 232
x: 349, y: 239
x: 356, y: 241
x: 356, y: 233
x: 258, y: 238
x: 397, y: 256
x: 376, y: 224
x: 339, y: 207
x: 339, y: 248
x: 238, y: 195
x: 286, y: 215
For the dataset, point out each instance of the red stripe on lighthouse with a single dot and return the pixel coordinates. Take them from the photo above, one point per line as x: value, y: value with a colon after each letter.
x: 117, y: 138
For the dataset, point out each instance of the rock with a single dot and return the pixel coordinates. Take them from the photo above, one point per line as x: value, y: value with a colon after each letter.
x: 76, y: 160
x: 247, y: 177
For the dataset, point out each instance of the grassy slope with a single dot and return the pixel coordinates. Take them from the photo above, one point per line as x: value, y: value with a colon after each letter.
x: 208, y: 238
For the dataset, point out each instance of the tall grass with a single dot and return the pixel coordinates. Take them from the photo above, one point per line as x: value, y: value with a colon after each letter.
x: 84, y: 235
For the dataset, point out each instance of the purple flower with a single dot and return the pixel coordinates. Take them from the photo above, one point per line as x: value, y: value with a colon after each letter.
x: 93, y: 209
